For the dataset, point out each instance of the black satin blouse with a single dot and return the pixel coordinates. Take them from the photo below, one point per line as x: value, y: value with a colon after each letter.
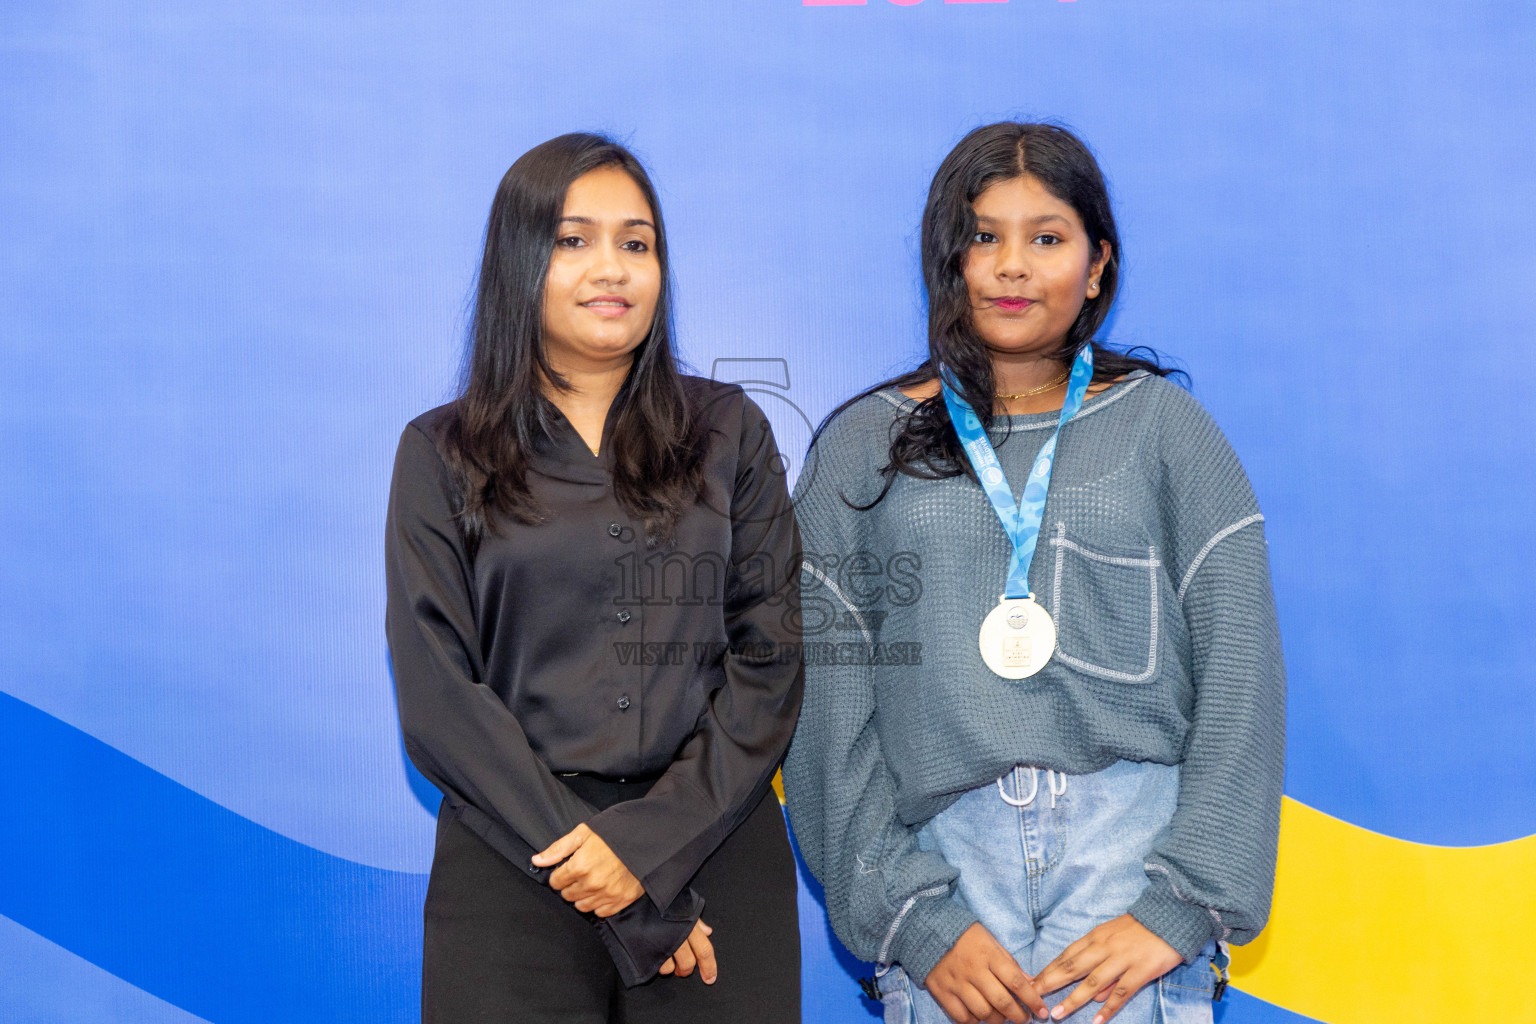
x: 572, y: 647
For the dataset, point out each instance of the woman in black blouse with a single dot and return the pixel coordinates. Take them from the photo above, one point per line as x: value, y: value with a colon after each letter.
x: 593, y: 619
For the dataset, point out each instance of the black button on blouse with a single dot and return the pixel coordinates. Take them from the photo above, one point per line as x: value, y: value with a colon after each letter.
x: 509, y: 664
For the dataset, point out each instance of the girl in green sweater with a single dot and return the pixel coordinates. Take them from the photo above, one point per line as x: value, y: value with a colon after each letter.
x: 1068, y: 802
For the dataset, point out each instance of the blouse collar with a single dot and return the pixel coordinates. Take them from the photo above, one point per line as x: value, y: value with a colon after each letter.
x: 565, y: 456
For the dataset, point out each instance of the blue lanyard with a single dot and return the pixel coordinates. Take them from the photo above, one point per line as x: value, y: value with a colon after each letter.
x: 1020, y: 520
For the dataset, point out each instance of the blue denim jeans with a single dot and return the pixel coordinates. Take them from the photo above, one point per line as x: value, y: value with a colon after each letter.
x: 1043, y: 859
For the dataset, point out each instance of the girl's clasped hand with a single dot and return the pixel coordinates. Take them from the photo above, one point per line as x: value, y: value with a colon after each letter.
x: 1114, y: 961
x: 978, y: 980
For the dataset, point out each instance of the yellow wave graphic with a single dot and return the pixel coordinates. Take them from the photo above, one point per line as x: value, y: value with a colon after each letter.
x: 1367, y: 929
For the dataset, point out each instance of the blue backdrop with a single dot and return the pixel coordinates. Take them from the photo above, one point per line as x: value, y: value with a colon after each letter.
x: 238, y: 244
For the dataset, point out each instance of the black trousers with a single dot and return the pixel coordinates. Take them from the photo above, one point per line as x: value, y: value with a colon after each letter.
x: 502, y: 947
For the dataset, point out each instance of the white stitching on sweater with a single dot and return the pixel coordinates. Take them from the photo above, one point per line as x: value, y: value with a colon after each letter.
x: 1210, y: 545
x: 1225, y: 931
x: 1061, y: 541
x: 890, y: 936
x: 869, y: 637
x: 1151, y: 562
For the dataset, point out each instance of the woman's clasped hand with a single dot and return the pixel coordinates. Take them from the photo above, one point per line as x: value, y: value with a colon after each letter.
x: 592, y: 877
x: 696, y: 952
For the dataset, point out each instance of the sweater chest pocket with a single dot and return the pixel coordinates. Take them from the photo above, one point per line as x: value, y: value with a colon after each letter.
x: 1106, y: 604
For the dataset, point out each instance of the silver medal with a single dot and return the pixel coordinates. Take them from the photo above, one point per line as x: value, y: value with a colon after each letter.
x: 1017, y: 638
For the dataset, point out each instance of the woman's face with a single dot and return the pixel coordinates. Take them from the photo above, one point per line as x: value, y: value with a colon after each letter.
x: 604, y: 278
x: 1030, y: 267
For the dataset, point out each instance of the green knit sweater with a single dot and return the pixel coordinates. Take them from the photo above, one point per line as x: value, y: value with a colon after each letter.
x: 1152, y: 561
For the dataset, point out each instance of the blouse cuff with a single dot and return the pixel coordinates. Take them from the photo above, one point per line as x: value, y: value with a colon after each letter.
x: 641, y: 836
x: 640, y: 939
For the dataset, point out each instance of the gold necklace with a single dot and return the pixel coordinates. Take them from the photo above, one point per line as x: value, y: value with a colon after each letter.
x: 1058, y: 382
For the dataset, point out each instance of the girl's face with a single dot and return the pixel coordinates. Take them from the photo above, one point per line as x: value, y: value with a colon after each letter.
x: 604, y: 278
x: 1030, y: 267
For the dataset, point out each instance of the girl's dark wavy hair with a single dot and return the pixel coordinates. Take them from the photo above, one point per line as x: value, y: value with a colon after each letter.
x: 502, y: 414
x: 926, y: 445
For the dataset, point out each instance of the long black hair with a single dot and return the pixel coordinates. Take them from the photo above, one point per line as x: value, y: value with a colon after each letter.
x: 502, y: 413
x: 926, y: 445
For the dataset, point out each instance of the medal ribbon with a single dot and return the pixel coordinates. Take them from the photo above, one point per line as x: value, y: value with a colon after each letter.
x: 1021, y: 520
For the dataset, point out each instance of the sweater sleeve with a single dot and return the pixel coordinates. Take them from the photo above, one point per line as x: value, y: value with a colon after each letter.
x: 888, y: 900
x: 724, y: 769
x: 1212, y: 870
x: 457, y: 731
